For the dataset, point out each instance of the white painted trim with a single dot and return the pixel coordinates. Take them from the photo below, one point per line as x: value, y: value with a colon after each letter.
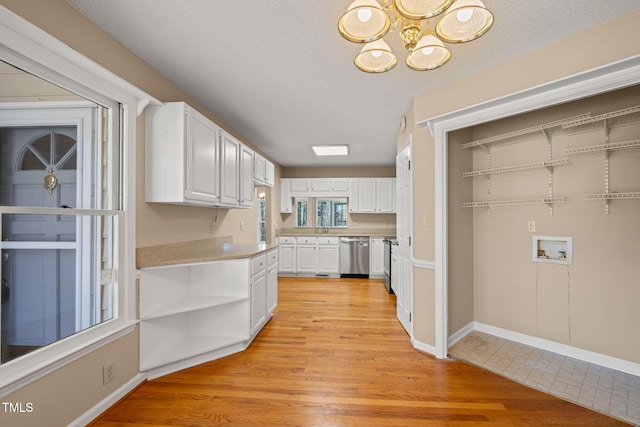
x: 460, y: 334
x: 609, y: 77
x: 563, y: 349
x: 33, y: 50
x: 423, y: 347
x: 419, y: 263
x: 106, y: 403
x: 46, y: 369
x: 189, y: 362
x: 53, y: 56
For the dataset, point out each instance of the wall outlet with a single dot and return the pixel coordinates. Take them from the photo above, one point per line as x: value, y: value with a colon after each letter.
x: 212, y: 227
x: 426, y: 221
x: 241, y: 225
x: 108, y: 372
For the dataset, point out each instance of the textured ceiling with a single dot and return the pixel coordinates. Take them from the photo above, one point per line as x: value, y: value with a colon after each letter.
x: 280, y: 75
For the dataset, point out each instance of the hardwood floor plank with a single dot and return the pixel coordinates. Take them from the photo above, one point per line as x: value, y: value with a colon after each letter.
x: 334, y: 354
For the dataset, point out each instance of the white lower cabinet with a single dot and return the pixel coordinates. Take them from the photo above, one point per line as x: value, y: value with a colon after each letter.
x: 376, y: 257
x: 328, y: 255
x: 189, y: 310
x: 287, y: 255
x: 193, y: 313
x: 258, y: 292
x: 306, y: 253
x: 272, y: 280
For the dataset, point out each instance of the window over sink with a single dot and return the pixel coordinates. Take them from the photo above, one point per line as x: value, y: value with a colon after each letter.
x: 331, y: 212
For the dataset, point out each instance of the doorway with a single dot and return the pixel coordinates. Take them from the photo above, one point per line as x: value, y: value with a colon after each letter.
x: 41, y: 163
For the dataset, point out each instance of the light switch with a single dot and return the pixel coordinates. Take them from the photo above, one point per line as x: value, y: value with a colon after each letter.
x: 531, y: 226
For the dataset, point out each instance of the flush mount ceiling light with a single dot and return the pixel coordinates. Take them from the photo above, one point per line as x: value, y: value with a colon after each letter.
x: 366, y: 21
x: 331, y: 150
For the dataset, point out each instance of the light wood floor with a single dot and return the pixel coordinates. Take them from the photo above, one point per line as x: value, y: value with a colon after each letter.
x: 334, y: 355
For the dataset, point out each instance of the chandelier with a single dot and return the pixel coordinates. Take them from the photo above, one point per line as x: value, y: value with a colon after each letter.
x: 366, y: 21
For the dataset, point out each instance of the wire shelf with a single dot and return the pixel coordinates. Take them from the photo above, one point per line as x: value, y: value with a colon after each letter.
x: 515, y: 202
x: 615, y: 118
x: 516, y: 168
x: 524, y: 135
x: 623, y: 145
x: 612, y: 196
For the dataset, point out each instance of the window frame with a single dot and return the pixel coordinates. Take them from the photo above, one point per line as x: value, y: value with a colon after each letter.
x: 26, y: 46
x: 332, y: 201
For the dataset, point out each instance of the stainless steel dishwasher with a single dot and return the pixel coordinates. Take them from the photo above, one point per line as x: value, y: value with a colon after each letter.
x: 354, y: 257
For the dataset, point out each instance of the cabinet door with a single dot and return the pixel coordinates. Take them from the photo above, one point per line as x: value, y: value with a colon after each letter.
x: 269, y: 173
x: 259, y: 168
x: 258, y: 300
x: 328, y: 259
x: 287, y: 258
x: 229, y: 170
x: 202, y: 159
x: 306, y: 259
x: 376, y: 257
x: 301, y: 185
x: 321, y: 185
x: 246, y: 176
x: 272, y: 288
x: 285, y: 198
x: 366, y: 195
x: 353, y: 195
x: 340, y: 186
x: 385, y: 195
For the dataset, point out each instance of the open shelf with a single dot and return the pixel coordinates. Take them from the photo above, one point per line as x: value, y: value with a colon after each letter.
x: 192, y: 303
x: 615, y: 118
x: 516, y: 168
x: 515, y: 202
x: 552, y: 250
x: 189, y: 346
x: 611, y: 146
x: 524, y: 135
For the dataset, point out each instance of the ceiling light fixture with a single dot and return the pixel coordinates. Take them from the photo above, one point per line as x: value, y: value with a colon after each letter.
x: 331, y: 150
x: 366, y: 21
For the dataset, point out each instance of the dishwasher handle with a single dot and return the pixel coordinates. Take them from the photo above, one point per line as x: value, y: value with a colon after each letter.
x: 354, y: 239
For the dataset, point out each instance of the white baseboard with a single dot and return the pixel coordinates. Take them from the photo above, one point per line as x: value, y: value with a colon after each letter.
x: 107, y: 402
x: 543, y: 344
x: 423, y: 347
x: 461, y: 333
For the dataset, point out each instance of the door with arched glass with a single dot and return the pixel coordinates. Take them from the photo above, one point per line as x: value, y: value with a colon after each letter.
x: 42, y: 269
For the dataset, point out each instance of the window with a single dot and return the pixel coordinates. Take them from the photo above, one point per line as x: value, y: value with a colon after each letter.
x: 262, y: 217
x: 302, y: 212
x: 57, y: 231
x: 331, y: 213
x: 66, y: 204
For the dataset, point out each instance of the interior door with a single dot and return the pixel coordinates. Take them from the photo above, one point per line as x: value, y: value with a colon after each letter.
x: 404, y: 231
x: 39, y: 275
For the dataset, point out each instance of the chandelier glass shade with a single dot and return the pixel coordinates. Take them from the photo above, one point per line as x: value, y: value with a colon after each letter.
x: 366, y: 21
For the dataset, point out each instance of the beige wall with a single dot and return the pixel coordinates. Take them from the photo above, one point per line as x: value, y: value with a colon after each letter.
x: 368, y: 221
x: 592, y: 48
x: 590, y: 304
x: 155, y: 224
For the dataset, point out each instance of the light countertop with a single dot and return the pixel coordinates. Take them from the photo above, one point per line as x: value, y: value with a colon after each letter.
x: 206, y: 250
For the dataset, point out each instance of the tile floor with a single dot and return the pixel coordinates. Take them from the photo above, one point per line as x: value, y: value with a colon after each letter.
x: 602, y: 389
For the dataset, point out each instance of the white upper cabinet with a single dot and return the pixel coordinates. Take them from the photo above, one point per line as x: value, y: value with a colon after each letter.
x: 182, y: 148
x: 285, y: 197
x: 372, y: 195
x: 192, y: 161
x: 263, y: 171
x: 246, y: 176
x: 229, y: 170
x: 300, y: 185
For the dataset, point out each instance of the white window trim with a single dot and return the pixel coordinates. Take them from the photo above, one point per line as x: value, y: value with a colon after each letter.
x: 28, y: 47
